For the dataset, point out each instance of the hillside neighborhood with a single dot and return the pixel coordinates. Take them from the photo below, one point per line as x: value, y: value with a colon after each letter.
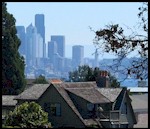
x: 44, y: 87
x: 79, y: 104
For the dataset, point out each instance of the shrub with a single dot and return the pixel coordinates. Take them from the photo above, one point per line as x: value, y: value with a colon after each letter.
x: 28, y: 115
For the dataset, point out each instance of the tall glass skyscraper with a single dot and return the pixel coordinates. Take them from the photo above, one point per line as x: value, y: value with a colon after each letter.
x: 40, y: 25
x: 52, y: 50
x: 77, y: 55
x: 34, y: 42
x: 60, y: 41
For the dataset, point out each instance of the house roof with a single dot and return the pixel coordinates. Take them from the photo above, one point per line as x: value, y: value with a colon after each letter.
x: 90, y: 94
x: 33, y: 93
x: 138, y: 89
x: 79, y: 84
x: 139, y: 102
x: 66, y: 97
x: 110, y: 93
x: 87, y: 90
x: 8, y: 100
x: 61, y: 88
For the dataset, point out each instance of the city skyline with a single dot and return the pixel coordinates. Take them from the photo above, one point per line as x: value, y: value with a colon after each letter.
x: 73, y: 19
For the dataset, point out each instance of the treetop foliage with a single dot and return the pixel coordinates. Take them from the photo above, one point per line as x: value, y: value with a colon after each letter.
x: 85, y: 73
x: 112, y: 39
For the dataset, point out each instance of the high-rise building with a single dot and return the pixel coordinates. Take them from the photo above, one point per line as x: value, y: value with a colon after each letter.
x: 77, y: 55
x: 52, y: 49
x: 40, y: 25
x: 34, y: 43
x: 21, y: 36
x: 60, y: 41
x: 39, y: 50
x: 29, y: 43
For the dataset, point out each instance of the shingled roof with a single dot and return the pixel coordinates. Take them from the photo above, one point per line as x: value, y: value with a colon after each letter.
x: 79, y: 84
x: 89, y: 94
x: 8, y: 100
x: 33, y: 93
x: 86, y: 90
x: 110, y: 93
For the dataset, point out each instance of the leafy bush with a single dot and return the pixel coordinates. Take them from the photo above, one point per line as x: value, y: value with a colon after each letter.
x: 28, y: 115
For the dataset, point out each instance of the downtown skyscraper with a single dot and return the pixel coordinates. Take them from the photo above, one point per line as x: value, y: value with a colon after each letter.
x: 77, y: 55
x: 52, y: 50
x: 40, y: 25
x: 34, y: 42
x: 60, y: 41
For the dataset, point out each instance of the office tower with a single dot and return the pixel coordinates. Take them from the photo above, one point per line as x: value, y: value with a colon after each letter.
x: 77, y: 55
x: 60, y: 41
x: 34, y: 43
x: 40, y: 25
x: 52, y: 49
x: 21, y: 36
x: 39, y: 46
x: 29, y: 43
x: 39, y: 51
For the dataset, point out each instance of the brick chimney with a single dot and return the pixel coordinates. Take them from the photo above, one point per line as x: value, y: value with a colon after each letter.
x: 103, y: 79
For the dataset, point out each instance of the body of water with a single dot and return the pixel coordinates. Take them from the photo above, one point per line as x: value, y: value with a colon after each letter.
x: 131, y: 82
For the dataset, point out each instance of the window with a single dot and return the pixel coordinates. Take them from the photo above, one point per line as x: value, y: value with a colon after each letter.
x: 55, y: 109
x: 90, y: 106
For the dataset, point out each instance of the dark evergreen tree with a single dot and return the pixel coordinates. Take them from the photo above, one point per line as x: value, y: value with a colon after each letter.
x: 13, y: 78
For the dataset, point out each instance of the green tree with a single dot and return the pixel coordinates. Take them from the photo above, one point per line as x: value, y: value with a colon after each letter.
x: 13, y: 78
x: 40, y: 80
x: 28, y: 115
x: 85, y: 73
x: 112, y: 39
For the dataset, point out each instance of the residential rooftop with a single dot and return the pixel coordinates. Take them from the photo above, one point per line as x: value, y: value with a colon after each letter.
x: 8, y: 100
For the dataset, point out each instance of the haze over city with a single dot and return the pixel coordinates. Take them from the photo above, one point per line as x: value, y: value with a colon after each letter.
x: 72, y: 19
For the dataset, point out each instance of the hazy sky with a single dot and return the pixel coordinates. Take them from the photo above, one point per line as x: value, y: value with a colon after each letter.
x: 72, y: 19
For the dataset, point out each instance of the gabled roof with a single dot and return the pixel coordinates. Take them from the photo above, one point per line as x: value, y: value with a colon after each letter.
x: 8, y: 100
x: 66, y: 97
x: 33, y: 93
x: 90, y: 94
x: 86, y: 90
x: 110, y: 93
